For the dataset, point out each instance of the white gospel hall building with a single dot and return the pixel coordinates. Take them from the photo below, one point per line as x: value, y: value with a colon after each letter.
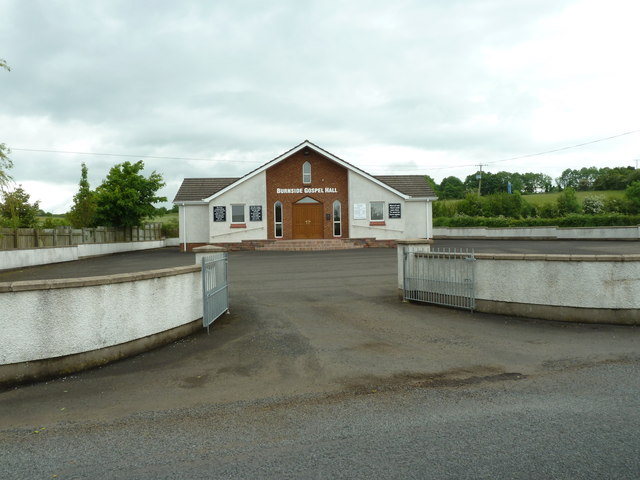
x: 305, y: 193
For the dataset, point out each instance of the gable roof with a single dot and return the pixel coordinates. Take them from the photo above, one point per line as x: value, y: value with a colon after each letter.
x: 205, y: 189
x: 410, y: 185
x: 195, y: 189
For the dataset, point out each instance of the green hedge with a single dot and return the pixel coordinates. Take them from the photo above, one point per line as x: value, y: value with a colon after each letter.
x: 573, y: 220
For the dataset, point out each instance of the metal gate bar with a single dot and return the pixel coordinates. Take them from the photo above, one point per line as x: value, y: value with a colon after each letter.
x: 215, y: 291
x: 441, y: 277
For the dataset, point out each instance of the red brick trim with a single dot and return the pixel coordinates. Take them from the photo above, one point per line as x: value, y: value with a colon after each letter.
x: 238, y: 225
x: 377, y: 224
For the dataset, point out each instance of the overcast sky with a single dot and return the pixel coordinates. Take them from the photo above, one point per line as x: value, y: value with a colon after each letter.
x: 428, y: 86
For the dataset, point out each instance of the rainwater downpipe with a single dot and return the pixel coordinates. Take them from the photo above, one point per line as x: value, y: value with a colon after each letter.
x: 184, y: 226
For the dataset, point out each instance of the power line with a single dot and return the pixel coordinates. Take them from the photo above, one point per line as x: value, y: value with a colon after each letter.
x: 519, y: 157
x: 566, y: 148
x: 102, y: 154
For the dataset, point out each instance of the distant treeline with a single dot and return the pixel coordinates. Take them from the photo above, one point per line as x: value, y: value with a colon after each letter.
x: 585, y: 179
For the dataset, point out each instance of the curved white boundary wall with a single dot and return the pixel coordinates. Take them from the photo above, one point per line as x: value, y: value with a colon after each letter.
x: 40, y: 256
x: 551, y: 233
x: 45, y: 319
x: 574, y: 288
x: 581, y: 288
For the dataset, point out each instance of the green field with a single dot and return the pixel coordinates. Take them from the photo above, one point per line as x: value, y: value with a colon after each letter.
x: 538, y: 199
x: 168, y: 218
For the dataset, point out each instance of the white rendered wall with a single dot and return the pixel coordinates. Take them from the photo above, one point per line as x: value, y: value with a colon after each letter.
x: 194, y: 223
x: 578, y: 233
x: 587, y: 288
x: 364, y: 191
x: 48, y: 323
x: 95, y: 249
x: 594, y: 283
x: 251, y: 192
x: 36, y: 256
x: 418, y: 214
x: 45, y: 255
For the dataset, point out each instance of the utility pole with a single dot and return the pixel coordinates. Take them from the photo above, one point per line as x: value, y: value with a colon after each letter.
x: 479, y: 177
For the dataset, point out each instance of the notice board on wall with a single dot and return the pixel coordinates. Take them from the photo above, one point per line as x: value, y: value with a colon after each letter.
x: 255, y: 213
x: 220, y: 213
x: 359, y: 211
x: 395, y: 210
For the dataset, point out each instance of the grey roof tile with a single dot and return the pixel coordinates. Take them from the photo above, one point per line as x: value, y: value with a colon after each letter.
x: 412, y: 185
x: 194, y: 189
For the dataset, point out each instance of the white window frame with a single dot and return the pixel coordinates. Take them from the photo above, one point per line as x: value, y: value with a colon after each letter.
x: 306, y: 173
x: 235, y: 205
x: 381, y: 219
x: 338, y: 222
x: 275, y: 219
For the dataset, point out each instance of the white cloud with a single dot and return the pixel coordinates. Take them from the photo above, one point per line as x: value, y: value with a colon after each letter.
x: 408, y: 86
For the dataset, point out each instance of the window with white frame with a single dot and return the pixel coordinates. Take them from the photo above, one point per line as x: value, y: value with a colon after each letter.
x: 237, y: 213
x: 306, y: 172
x: 277, y: 219
x: 337, y: 219
x: 377, y: 211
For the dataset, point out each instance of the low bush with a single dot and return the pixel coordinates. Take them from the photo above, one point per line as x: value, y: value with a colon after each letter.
x: 170, y: 228
x: 572, y: 220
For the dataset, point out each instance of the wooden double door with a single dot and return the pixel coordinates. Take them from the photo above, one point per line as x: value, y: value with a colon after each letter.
x: 307, y: 220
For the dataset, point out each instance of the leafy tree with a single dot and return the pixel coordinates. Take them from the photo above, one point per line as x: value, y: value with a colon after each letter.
x: 160, y: 211
x: 432, y: 183
x: 612, y: 178
x: 451, y: 187
x: 53, y: 222
x: 84, y: 209
x: 494, y: 182
x: 126, y: 197
x: 548, y: 210
x: 5, y: 161
x: 632, y: 193
x: 504, y: 204
x: 634, y: 176
x: 568, y: 202
x: 443, y: 208
x: 582, y: 179
x: 471, y: 205
x: 16, y: 211
x: 5, y: 164
x: 616, y: 205
x: 472, y: 181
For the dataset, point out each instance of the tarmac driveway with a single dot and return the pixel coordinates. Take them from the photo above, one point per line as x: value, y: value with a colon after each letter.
x: 321, y: 324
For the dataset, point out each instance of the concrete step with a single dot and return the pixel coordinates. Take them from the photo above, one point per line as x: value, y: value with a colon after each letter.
x: 307, y: 245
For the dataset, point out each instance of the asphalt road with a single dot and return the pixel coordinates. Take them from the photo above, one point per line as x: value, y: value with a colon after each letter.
x: 320, y: 372
x: 577, y: 424
x: 171, y: 257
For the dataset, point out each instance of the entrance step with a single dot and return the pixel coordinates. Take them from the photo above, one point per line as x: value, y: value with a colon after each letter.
x: 309, y: 245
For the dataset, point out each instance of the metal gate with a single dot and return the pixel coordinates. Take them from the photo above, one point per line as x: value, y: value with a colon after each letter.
x: 442, y: 277
x: 215, y: 291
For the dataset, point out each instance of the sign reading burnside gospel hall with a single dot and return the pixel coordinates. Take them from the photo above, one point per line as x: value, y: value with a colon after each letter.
x: 220, y: 213
x: 307, y: 190
x: 394, y: 210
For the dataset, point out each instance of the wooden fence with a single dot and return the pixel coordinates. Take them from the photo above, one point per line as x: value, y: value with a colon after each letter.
x: 23, y: 238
